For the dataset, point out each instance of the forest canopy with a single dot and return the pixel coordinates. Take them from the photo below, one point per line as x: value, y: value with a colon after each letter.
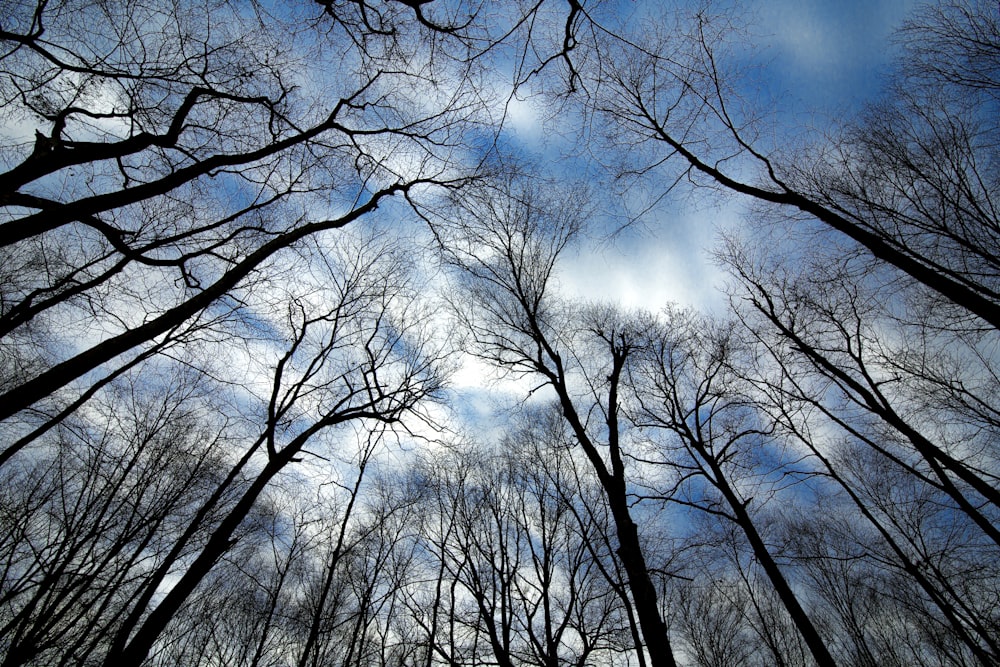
x: 298, y: 367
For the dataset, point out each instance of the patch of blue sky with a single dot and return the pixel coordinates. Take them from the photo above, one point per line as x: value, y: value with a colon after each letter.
x: 478, y: 410
x: 248, y: 324
x: 814, y: 54
x: 821, y: 60
x: 809, y: 64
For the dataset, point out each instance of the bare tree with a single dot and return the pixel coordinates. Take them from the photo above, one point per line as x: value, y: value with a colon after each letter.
x: 182, y: 150
x: 504, y: 244
x: 525, y: 559
x: 840, y: 361
x: 85, y: 522
x: 139, y: 506
x: 911, y: 183
x: 361, y: 357
x: 718, y: 445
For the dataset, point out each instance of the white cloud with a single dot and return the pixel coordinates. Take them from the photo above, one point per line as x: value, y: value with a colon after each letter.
x: 524, y: 118
x: 668, y: 264
x: 810, y: 42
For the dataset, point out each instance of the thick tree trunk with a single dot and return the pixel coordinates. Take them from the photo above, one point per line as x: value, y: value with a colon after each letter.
x: 654, y: 630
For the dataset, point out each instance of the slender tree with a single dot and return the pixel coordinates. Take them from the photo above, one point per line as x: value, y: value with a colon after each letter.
x: 685, y: 386
x: 504, y: 249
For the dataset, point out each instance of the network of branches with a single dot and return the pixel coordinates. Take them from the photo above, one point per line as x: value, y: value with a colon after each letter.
x: 250, y: 253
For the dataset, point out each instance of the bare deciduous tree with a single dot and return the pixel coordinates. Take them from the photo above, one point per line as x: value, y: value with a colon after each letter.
x: 724, y: 454
x: 504, y: 244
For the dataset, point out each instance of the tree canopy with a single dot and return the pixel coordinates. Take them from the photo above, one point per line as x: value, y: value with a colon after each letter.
x: 290, y: 372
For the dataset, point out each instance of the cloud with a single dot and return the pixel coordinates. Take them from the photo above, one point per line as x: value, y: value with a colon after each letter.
x: 669, y: 264
x: 524, y: 118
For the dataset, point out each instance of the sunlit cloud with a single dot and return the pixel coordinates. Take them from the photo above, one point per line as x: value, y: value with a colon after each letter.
x: 669, y: 263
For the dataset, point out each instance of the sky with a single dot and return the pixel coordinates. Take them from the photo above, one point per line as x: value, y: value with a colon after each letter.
x: 821, y: 59
x: 830, y: 53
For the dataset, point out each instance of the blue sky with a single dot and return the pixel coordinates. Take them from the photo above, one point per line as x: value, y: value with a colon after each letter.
x: 821, y: 59
x: 829, y: 53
